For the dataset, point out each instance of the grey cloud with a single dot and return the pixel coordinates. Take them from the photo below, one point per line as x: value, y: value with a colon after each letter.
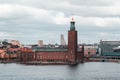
x: 69, y: 7
x: 92, y: 2
x: 26, y: 19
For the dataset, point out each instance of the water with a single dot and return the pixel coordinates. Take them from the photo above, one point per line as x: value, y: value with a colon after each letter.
x: 86, y: 71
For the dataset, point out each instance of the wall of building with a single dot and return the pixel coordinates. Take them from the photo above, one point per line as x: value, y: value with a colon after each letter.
x: 72, y: 46
x: 51, y: 56
x: 2, y: 54
x: 9, y: 54
x: 47, y: 56
x: 90, y: 52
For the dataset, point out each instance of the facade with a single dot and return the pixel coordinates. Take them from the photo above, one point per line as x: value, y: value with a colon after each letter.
x: 26, y: 55
x: 90, y: 50
x: 65, y: 55
x: 9, y: 54
x: 110, y: 48
x: 51, y: 56
x: 2, y: 54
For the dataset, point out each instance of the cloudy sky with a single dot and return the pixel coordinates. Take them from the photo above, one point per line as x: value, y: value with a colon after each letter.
x: 33, y: 20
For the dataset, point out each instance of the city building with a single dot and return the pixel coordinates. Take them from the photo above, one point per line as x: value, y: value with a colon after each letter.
x: 40, y: 43
x: 109, y: 48
x: 2, y: 54
x: 64, y: 55
x: 90, y: 50
x: 9, y: 51
x: 62, y: 40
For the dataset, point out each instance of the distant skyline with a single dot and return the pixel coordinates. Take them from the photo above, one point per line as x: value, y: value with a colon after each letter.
x: 31, y: 20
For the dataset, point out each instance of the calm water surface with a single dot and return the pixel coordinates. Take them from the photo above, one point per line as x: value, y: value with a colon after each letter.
x: 86, y: 71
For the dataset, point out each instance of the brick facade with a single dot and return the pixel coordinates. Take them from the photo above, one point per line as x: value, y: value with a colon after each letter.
x: 72, y: 46
x: 51, y: 56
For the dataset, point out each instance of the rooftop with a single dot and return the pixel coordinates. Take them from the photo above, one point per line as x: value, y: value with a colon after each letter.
x: 49, y: 49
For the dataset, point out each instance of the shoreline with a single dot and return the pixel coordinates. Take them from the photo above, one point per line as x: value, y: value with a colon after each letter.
x: 58, y: 63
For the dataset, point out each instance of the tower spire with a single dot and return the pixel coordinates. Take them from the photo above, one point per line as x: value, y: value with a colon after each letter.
x: 72, y: 24
x: 72, y: 43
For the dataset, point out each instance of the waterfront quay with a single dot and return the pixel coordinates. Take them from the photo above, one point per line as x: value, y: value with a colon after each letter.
x: 103, y: 59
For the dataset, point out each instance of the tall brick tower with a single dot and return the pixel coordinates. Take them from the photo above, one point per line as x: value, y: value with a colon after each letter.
x: 72, y: 43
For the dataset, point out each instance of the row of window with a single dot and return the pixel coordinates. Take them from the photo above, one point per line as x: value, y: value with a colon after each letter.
x: 39, y: 56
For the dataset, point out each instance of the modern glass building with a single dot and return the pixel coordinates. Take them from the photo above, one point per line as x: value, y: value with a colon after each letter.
x: 110, y: 48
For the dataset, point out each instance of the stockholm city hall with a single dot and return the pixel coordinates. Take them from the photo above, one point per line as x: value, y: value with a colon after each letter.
x: 69, y: 55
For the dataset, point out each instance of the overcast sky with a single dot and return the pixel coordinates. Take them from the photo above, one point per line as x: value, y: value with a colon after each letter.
x: 31, y: 20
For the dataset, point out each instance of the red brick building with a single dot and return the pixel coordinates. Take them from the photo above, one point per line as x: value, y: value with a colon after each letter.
x: 68, y: 55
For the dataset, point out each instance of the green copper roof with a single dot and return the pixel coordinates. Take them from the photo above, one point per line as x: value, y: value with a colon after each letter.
x: 72, y: 27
